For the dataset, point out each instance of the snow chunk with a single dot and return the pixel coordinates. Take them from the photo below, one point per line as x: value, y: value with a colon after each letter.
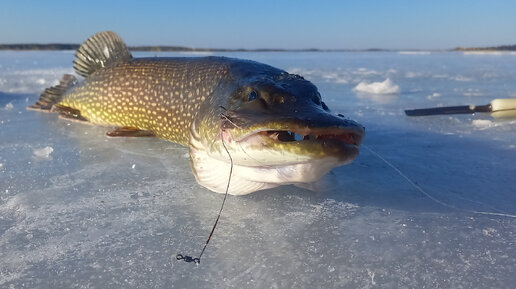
x: 9, y: 106
x: 489, y: 232
x: 43, y: 152
x: 385, y: 87
x: 461, y: 78
x: 433, y: 95
x: 365, y: 71
x: 482, y: 123
x: 412, y: 74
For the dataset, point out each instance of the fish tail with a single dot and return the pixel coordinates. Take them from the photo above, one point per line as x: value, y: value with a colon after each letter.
x: 54, y: 94
x: 100, y: 50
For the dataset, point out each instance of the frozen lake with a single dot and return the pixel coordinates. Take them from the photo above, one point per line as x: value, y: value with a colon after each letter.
x: 80, y: 210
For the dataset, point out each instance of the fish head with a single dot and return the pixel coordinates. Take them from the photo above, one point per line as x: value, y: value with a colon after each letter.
x: 274, y: 130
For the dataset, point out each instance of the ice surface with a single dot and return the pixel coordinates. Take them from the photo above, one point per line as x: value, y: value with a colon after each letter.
x: 414, y: 52
x: 110, y: 212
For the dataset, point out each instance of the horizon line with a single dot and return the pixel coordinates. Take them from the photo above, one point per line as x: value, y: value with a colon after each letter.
x: 174, y: 48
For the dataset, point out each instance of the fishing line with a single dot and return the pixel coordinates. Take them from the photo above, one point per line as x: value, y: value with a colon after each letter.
x: 197, y: 260
x: 282, y: 174
x: 420, y: 189
x: 227, y: 118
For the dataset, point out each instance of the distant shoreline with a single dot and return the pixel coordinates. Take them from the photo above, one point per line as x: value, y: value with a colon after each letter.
x: 164, y: 48
x: 487, y: 49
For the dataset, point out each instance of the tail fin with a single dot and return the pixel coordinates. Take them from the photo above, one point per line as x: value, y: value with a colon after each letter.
x: 54, y: 94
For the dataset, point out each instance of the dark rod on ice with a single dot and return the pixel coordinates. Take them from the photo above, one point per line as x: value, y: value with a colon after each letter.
x: 498, y: 107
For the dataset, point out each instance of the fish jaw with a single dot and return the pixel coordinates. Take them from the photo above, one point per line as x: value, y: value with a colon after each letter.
x: 214, y: 173
x: 270, y: 146
x: 272, y: 154
x: 287, y: 139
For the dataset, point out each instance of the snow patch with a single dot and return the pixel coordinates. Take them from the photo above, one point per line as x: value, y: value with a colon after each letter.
x: 9, y: 106
x: 411, y: 74
x: 461, y: 78
x: 379, y: 98
x: 489, y: 232
x: 482, y: 123
x: 342, y: 77
x: 336, y: 78
x: 433, y: 95
x: 440, y: 75
x: 365, y: 71
x: 384, y: 87
x: 473, y: 92
x: 43, y: 152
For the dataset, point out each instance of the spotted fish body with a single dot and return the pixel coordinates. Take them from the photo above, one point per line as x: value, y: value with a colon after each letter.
x: 158, y: 95
x: 266, y: 126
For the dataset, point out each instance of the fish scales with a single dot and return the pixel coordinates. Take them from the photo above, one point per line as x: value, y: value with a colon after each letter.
x: 161, y: 96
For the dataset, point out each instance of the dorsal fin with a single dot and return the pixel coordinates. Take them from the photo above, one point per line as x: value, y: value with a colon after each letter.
x: 98, y: 51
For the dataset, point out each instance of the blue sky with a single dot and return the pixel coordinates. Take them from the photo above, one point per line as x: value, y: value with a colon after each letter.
x: 393, y: 24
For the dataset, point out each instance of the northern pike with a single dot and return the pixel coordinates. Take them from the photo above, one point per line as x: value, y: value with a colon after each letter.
x: 272, y: 126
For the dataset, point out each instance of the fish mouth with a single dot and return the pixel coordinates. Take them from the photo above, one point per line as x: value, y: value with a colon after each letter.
x: 347, y: 137
x: 314, y: 135
x: 342, y: 143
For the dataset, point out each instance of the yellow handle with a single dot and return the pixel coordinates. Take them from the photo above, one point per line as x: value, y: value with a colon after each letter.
x: 503, y: 104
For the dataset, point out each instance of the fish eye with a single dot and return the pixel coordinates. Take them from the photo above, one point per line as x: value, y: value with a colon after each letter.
x: 252, y: 95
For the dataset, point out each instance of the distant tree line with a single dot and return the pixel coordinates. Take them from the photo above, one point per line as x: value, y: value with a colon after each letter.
x: 61, y: 46
x: 492, y: 48
x: 33, y: 46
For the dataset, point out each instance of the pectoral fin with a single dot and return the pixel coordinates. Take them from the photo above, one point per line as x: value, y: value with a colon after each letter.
x: 130, y: 132
x: 68, y: 113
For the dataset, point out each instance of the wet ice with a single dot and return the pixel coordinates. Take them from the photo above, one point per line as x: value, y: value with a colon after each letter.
x: 106, y: 212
